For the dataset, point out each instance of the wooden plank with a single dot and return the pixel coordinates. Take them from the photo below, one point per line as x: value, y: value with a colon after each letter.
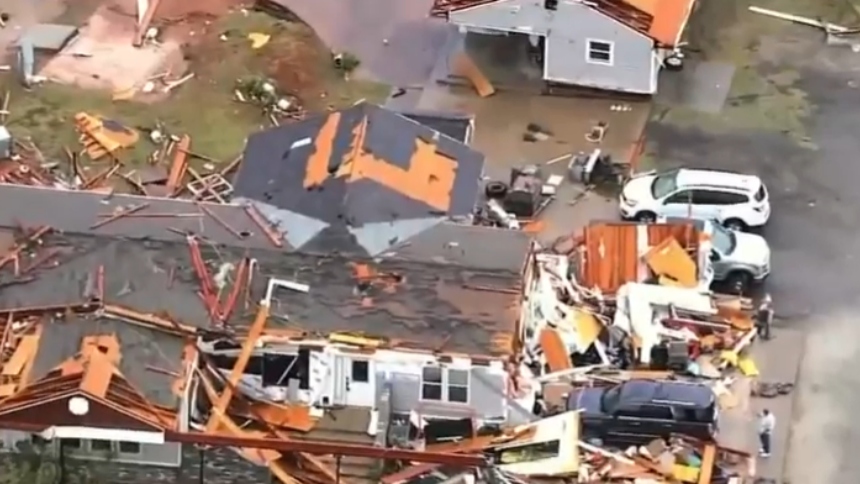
x: 708, y: 459
x: 180, y: 163
x: 24, y: 352
x: 254, y: 333
x: 466, y: 67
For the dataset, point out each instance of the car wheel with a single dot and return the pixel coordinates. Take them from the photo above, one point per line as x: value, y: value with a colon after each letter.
x: 738, y: 282
x: 735, y: 224
x: 646, y: 217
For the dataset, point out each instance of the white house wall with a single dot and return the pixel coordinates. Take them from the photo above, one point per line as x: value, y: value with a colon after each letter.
x: 527, y: 17
x: 567, y: 31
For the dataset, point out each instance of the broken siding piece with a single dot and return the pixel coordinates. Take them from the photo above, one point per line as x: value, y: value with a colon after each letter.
x: 555, y: 351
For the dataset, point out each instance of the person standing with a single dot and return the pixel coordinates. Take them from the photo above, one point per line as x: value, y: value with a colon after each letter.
x: 766, y: 425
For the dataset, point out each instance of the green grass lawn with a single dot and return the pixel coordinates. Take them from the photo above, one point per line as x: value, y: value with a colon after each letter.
x: 204, y: 107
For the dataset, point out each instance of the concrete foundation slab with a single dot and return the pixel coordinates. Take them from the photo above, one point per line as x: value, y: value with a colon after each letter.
x: 102, y: 56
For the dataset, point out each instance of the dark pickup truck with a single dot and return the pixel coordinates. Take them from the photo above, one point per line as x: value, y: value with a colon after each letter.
x: 638, y: 411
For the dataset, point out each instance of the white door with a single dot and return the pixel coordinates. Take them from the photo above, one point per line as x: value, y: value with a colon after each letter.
x: 340, y: 375
x: 361, y: 384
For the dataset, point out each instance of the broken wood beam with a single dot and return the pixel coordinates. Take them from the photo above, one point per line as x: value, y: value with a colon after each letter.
x: 263, y: 224
x: 180, y: 163
x: 242, y: 361
x: 15, y: 251
x: 220, y: 221
x: 119, y: 215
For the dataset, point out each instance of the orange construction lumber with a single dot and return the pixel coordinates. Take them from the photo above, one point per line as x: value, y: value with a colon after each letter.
x: 239, y: 367
x: 557, y: 356
x: 180, y: 163
x: 269, y: 457
x: 708, y: 459
x: 26, y: 349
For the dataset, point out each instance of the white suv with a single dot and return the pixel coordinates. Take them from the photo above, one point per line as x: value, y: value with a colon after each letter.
x: 737, y: 201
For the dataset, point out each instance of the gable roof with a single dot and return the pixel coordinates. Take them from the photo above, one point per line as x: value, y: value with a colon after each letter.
x: 361, y: 167
x: 661, y: 20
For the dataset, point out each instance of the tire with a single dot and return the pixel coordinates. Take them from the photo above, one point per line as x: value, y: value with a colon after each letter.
x: 735, y: 224
x: 496, y: 189
x: 645, y: 217
x: 674, y: 63
x: 739, y: 282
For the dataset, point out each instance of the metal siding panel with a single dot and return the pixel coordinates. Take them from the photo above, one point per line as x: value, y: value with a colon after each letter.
x: 487, y: 393
x: 506, y: 15
x: 405, y: 392
x: 566, y: 51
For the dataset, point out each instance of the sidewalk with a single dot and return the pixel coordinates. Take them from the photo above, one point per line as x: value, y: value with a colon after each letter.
x: 778, y: 360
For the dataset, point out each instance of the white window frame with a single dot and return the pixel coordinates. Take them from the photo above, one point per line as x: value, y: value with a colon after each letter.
x: 589, y: 50
x: 448, y: 385
x: 441, y: 385
x: 445, y: 385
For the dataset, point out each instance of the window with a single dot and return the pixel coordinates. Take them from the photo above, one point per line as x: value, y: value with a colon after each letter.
x: 684, y: 197
x: 664, y: 184
x: 445, y: 384
x: 360, y: 371
x: 129, y: 448
x: 100, y: 445
x: 761, y: 194
x: 726, y: 198
x: 657, y: 412
x: 723, y: 239
x: 458, y: 386
x: 431, y: 383
x: 72, y: 443
x: 599, y: 52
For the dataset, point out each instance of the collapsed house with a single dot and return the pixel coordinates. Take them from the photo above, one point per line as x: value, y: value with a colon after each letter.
x: 136, y: 335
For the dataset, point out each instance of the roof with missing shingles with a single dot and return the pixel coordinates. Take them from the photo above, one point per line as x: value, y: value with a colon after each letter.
x: 361, y: 179
x: 452, y: 288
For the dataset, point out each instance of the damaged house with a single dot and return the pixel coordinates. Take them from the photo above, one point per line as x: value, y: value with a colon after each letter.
x: 153, y: 347
x: 612, y: 45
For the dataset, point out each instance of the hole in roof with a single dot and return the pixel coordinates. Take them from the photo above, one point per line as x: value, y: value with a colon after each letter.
x: 244, y: 234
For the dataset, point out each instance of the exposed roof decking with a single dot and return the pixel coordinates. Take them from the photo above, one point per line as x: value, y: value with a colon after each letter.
x: 359, y: 167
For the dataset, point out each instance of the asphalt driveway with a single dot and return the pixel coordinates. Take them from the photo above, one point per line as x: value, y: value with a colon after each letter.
x: 791, y: 119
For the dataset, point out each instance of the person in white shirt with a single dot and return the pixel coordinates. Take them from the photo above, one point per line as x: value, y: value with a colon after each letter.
x: 766, y: 424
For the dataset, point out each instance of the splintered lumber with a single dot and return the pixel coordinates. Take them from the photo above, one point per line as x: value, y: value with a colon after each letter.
x: 798, y: 19
x: 238, y: 368
x: 180, y: 163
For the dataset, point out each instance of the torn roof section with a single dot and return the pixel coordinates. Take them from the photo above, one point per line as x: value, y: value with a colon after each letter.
x: 359, y: 180
x: 451, y: 288
x: 661, y: 20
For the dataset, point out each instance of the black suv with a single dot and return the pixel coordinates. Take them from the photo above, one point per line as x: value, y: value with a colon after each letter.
x: 637, y: 411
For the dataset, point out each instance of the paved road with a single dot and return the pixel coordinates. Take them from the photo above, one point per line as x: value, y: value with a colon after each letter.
x: 816, y: 260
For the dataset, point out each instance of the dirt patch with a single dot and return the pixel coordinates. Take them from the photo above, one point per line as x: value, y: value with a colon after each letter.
x: 205, y: 107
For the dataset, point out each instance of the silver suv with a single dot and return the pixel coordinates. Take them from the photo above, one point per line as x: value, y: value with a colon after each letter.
x: 736, y: 260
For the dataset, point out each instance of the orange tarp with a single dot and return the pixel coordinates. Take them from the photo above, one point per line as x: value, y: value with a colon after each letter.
x: 555, y: 351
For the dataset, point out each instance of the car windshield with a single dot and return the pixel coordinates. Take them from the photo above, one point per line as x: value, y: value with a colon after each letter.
x: 611, y: 398
x: 724, y: 240
x: 664, y: 184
